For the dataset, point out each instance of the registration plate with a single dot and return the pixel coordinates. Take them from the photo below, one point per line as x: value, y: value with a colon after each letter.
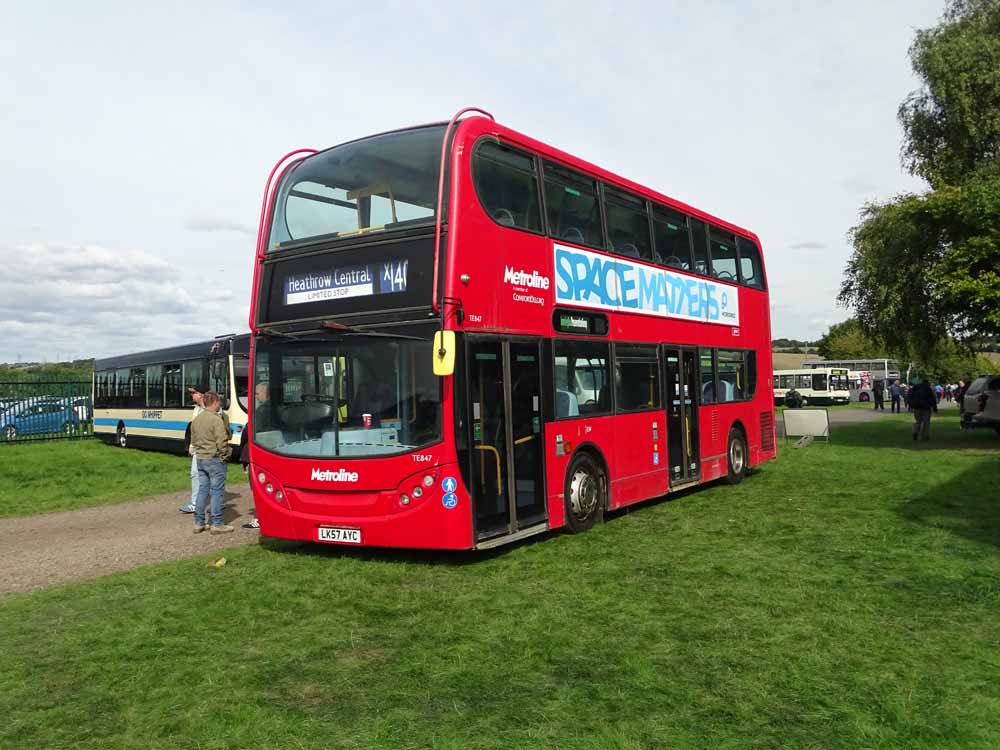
x: 341, y: 536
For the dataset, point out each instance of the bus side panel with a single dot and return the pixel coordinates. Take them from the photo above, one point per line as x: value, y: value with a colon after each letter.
x: 712, y: 442
x: 640, y: 458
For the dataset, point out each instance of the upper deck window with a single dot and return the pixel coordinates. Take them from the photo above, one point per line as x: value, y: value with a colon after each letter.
x: 751, y: 273
x: 574, y: 213
x: 628, y: 224
x: 699, y: 247
x: 381, y: 183
x: 723, y: 255
x: 507, y: 186
x: 673, y: 238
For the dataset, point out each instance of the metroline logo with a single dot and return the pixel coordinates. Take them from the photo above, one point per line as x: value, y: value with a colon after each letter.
x: 522, y: 278
x: 341, y: 475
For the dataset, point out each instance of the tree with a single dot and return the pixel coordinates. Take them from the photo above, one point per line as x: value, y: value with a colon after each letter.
x: 927, y: 266
x: 848, y: 340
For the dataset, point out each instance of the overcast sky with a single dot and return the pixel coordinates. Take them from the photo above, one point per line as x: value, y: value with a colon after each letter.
x: 136, y: 137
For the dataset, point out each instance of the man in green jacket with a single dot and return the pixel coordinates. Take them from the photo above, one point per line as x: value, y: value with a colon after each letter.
x: 210, y: 443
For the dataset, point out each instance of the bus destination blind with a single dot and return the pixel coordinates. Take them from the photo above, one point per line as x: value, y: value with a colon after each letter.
x: 364, y: 280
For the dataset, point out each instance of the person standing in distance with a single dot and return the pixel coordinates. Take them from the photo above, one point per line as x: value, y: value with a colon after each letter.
x: 210, y: 440
x: 923, y: 400
x: 878, y: 392
x: 896, y: 393
x: 196, y: 392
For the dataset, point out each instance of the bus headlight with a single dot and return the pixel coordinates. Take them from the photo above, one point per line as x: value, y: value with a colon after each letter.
x: 269, y: 487
x: 261, y: 477
x: 404, y: 499
x: 418, y: 491
x: 428, y: 480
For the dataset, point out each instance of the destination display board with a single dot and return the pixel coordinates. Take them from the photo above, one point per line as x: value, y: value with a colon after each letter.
x: 594, y: 280
x: 350, y: 282
x: 341, y: 282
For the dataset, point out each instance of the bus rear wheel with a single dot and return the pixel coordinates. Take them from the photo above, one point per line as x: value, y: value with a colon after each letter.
x: 122, y: 437
x: 736, y: 457
x: 9, y: 432
x: 585, y: 490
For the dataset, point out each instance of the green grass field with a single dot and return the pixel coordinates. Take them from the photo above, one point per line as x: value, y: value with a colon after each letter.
x: 845, y: 596
x: 69, y: 474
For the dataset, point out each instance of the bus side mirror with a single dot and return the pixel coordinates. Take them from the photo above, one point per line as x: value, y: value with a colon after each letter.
x: 444, y: 353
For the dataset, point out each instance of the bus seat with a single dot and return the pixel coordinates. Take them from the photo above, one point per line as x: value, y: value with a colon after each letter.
x: 503, y: 216
x: 604, y: 398
x: 567, y: 404
x: 573, y: 234
x: 270, y: 439
x: 627, y: 248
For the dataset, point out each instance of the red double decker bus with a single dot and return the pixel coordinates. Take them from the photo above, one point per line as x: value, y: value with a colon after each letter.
x: 463, y: 337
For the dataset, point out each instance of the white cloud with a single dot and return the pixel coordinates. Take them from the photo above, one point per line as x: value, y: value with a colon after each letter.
x: 206, y: 222
x: 780, y: 117
x: 82, y: 301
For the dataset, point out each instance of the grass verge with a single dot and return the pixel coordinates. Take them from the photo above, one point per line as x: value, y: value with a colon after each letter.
x: 71, y: 474
x: 845, y: 596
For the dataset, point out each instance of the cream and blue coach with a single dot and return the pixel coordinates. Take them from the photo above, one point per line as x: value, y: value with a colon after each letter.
x: 141, y: 400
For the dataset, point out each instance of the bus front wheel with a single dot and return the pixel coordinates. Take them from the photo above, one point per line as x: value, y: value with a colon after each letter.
x: 736, y: 457
x: 122, y: 437
x: 585, y: 490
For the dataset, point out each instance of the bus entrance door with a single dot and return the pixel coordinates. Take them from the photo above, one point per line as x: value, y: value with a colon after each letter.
x: 505, y: 435
x: 682, y: 415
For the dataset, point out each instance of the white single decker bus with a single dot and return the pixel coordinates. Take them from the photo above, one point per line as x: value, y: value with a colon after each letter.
x: 826, y: 385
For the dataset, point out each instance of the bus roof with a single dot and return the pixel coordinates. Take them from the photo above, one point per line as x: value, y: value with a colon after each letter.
x: 240, y: 343
x: 515, y: 137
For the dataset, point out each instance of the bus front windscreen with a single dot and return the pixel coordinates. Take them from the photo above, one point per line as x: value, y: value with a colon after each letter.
x: 381, y: 183
x: 353, y: 396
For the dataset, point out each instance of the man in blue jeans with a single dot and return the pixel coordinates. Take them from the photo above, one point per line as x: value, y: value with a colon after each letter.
x: 197, y: 393
x: 210, y: 441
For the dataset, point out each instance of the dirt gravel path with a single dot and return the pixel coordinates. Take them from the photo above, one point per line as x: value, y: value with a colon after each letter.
x: 54, y: 548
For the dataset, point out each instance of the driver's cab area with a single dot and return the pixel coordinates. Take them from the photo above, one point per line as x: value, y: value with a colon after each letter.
x: 330, y: 397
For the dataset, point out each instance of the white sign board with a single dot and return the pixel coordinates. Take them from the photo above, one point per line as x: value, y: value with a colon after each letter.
x: 812, y: 422
x: 594, y: 280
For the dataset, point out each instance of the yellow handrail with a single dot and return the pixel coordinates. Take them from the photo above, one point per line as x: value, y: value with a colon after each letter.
x: 524, y: 439
x: 497, y: 454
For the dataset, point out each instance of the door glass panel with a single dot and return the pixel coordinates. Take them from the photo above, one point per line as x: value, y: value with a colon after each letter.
x: 526, y: 418
x: 690, y: 427
x: 675, y: 414
x: 489, y: 437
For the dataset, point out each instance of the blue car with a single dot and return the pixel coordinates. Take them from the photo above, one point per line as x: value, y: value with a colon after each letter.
x: 37, y: 418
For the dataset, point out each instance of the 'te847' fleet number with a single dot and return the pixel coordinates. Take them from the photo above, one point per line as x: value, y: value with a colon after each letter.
x: 422, y: 458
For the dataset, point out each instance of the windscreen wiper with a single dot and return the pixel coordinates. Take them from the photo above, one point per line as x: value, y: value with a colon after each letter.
x: 274, y: 333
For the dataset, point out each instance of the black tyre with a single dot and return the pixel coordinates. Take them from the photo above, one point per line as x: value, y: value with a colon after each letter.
x: 122, y: 437
x: 736, y: 457
x: 68, y: 428
x: 803, y: 402
x: 9, y: 432
x: 585, y: 493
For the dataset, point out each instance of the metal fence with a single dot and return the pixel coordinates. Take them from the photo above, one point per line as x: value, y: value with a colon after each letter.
x: 45, y: 410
